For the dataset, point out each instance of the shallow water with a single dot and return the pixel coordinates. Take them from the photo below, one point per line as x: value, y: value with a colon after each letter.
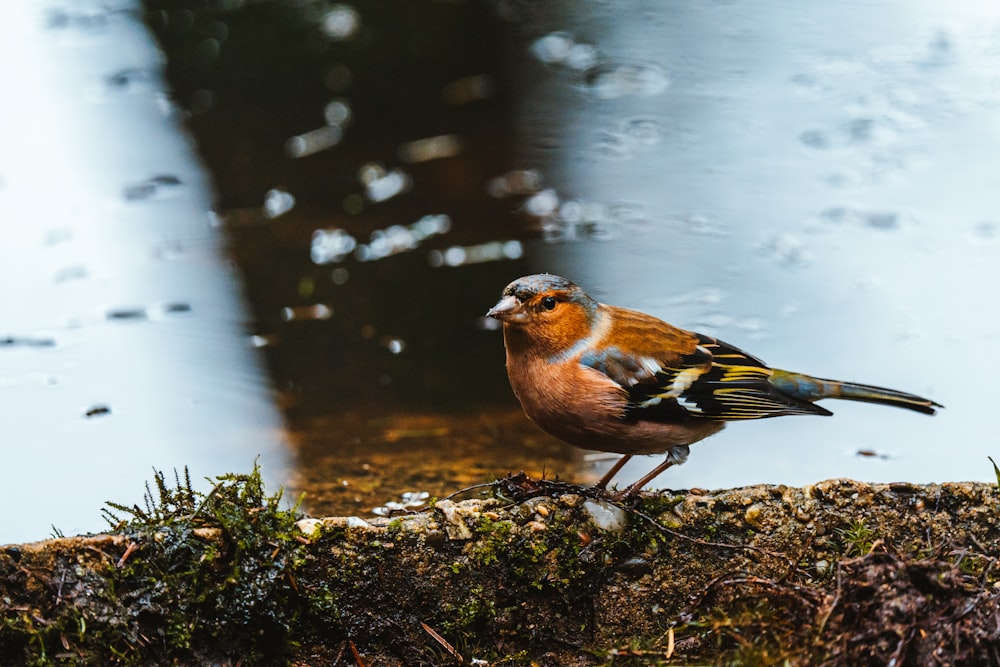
x: 122, y: 340
x: 811, y: 184
x: 816, y: 185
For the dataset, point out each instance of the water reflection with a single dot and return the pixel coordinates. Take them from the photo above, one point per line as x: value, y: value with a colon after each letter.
x: 811, y: 183
x: 123, y: 346
x: 816, y: 173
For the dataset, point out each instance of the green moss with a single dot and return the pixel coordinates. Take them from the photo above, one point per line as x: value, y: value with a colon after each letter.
x: 857, y: 538
x: 476, y: 610
x: 209, y: 571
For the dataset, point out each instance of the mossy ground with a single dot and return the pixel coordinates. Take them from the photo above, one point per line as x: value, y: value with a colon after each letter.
x: 839, y: 573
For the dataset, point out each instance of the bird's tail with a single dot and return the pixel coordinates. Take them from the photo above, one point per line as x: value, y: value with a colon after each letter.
x: 811, y: 389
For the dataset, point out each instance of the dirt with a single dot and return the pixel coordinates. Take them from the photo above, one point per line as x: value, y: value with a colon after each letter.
x: 531, y: 572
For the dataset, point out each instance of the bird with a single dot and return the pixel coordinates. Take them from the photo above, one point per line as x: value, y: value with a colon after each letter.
x: 612, y: 379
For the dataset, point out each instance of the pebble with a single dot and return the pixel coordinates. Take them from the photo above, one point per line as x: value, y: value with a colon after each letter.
x: 605, y: 515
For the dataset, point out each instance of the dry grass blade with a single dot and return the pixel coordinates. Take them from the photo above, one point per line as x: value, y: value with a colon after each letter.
x: 443, y: 642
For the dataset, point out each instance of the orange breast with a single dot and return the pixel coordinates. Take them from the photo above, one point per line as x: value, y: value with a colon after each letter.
x: 585, y: 408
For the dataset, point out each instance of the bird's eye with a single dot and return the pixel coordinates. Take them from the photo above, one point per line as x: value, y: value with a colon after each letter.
x: 549, y: 302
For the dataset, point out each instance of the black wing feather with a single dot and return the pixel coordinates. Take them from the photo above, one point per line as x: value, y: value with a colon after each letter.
x: 718, y: 381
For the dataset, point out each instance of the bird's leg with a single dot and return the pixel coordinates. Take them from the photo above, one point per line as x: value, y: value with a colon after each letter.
x: 609, y: 475
x: 636, y: 487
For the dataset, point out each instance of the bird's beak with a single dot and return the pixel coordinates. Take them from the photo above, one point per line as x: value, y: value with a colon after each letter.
x: 508, y: 309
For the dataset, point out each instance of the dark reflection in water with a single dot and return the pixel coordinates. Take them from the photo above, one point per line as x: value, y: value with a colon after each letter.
x: 350, y: 120
x: 777, y: 174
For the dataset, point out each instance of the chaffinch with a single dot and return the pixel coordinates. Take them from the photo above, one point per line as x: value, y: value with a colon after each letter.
x: 616, y: 380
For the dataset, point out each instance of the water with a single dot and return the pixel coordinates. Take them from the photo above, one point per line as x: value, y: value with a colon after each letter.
x: 816, y: 185
x: 121, y: 338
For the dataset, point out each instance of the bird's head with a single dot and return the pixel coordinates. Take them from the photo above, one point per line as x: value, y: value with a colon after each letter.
x: 547, y: 309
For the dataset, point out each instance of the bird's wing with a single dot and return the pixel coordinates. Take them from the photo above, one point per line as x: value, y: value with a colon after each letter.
x: 714, y: 381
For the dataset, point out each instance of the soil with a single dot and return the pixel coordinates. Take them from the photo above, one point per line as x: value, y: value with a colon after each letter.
x: 531, y: 572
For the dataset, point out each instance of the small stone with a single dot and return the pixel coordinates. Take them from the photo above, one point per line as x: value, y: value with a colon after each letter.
x: 309, y: 527
x: 636, y: 565
x: 570, y: 499
x: 454, y: 521
x: 605, y: 515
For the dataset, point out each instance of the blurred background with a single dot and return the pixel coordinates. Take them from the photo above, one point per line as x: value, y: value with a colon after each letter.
x: 243, y: 229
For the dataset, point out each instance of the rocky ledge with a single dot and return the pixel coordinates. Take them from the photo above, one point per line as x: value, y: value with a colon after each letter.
x: 546, y: 573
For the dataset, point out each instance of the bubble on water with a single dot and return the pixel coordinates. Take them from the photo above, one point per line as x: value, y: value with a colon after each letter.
x: 394, y: 345
x: 331, y: 245
x: 387, y: 185
x: 786, y: 250
x: 706, y: 296
x: 562, y: 51
x: 542, y: 204
x: 750, y: 324
x: 852, y: 215
x: 315, y: 311
x: 341, y: 22
x: 337, y: 112
x: 882, y: 219
x: 395, y: 238
x: 431, y: 148
x: 715, y: 320
x: 576, y: 220
x: 552, y: 49
x: 129, y: 80
x: 313, y: 141
x: 940, y: 50
x: 164, y: 310
x: 701, y: 224
x: 155, y: 187
x: 613, y: 81
x: 261, y: 340
x: 277, y: 202
x: 630, y: 137
x: 581, y: 57
x: 492, y: 251
x: 644, y: 131
x: 835, y: 214
x: 516, y: 182
x: 986, y: 230
x: 816, y: 139
x: 27, y: 341
x: 71, y: 273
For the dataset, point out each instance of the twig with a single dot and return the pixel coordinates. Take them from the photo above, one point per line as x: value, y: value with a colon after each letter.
x: 443, y: 642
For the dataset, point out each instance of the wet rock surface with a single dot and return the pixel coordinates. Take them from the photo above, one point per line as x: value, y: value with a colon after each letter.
x: 839, y: 572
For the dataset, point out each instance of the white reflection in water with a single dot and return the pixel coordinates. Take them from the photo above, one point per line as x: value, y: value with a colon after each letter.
x: 121, y: 341
x: 826, y: 176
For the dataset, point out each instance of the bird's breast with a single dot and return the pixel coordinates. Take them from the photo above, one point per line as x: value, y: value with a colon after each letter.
x: 584, y: 407
x: 551, y: 394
